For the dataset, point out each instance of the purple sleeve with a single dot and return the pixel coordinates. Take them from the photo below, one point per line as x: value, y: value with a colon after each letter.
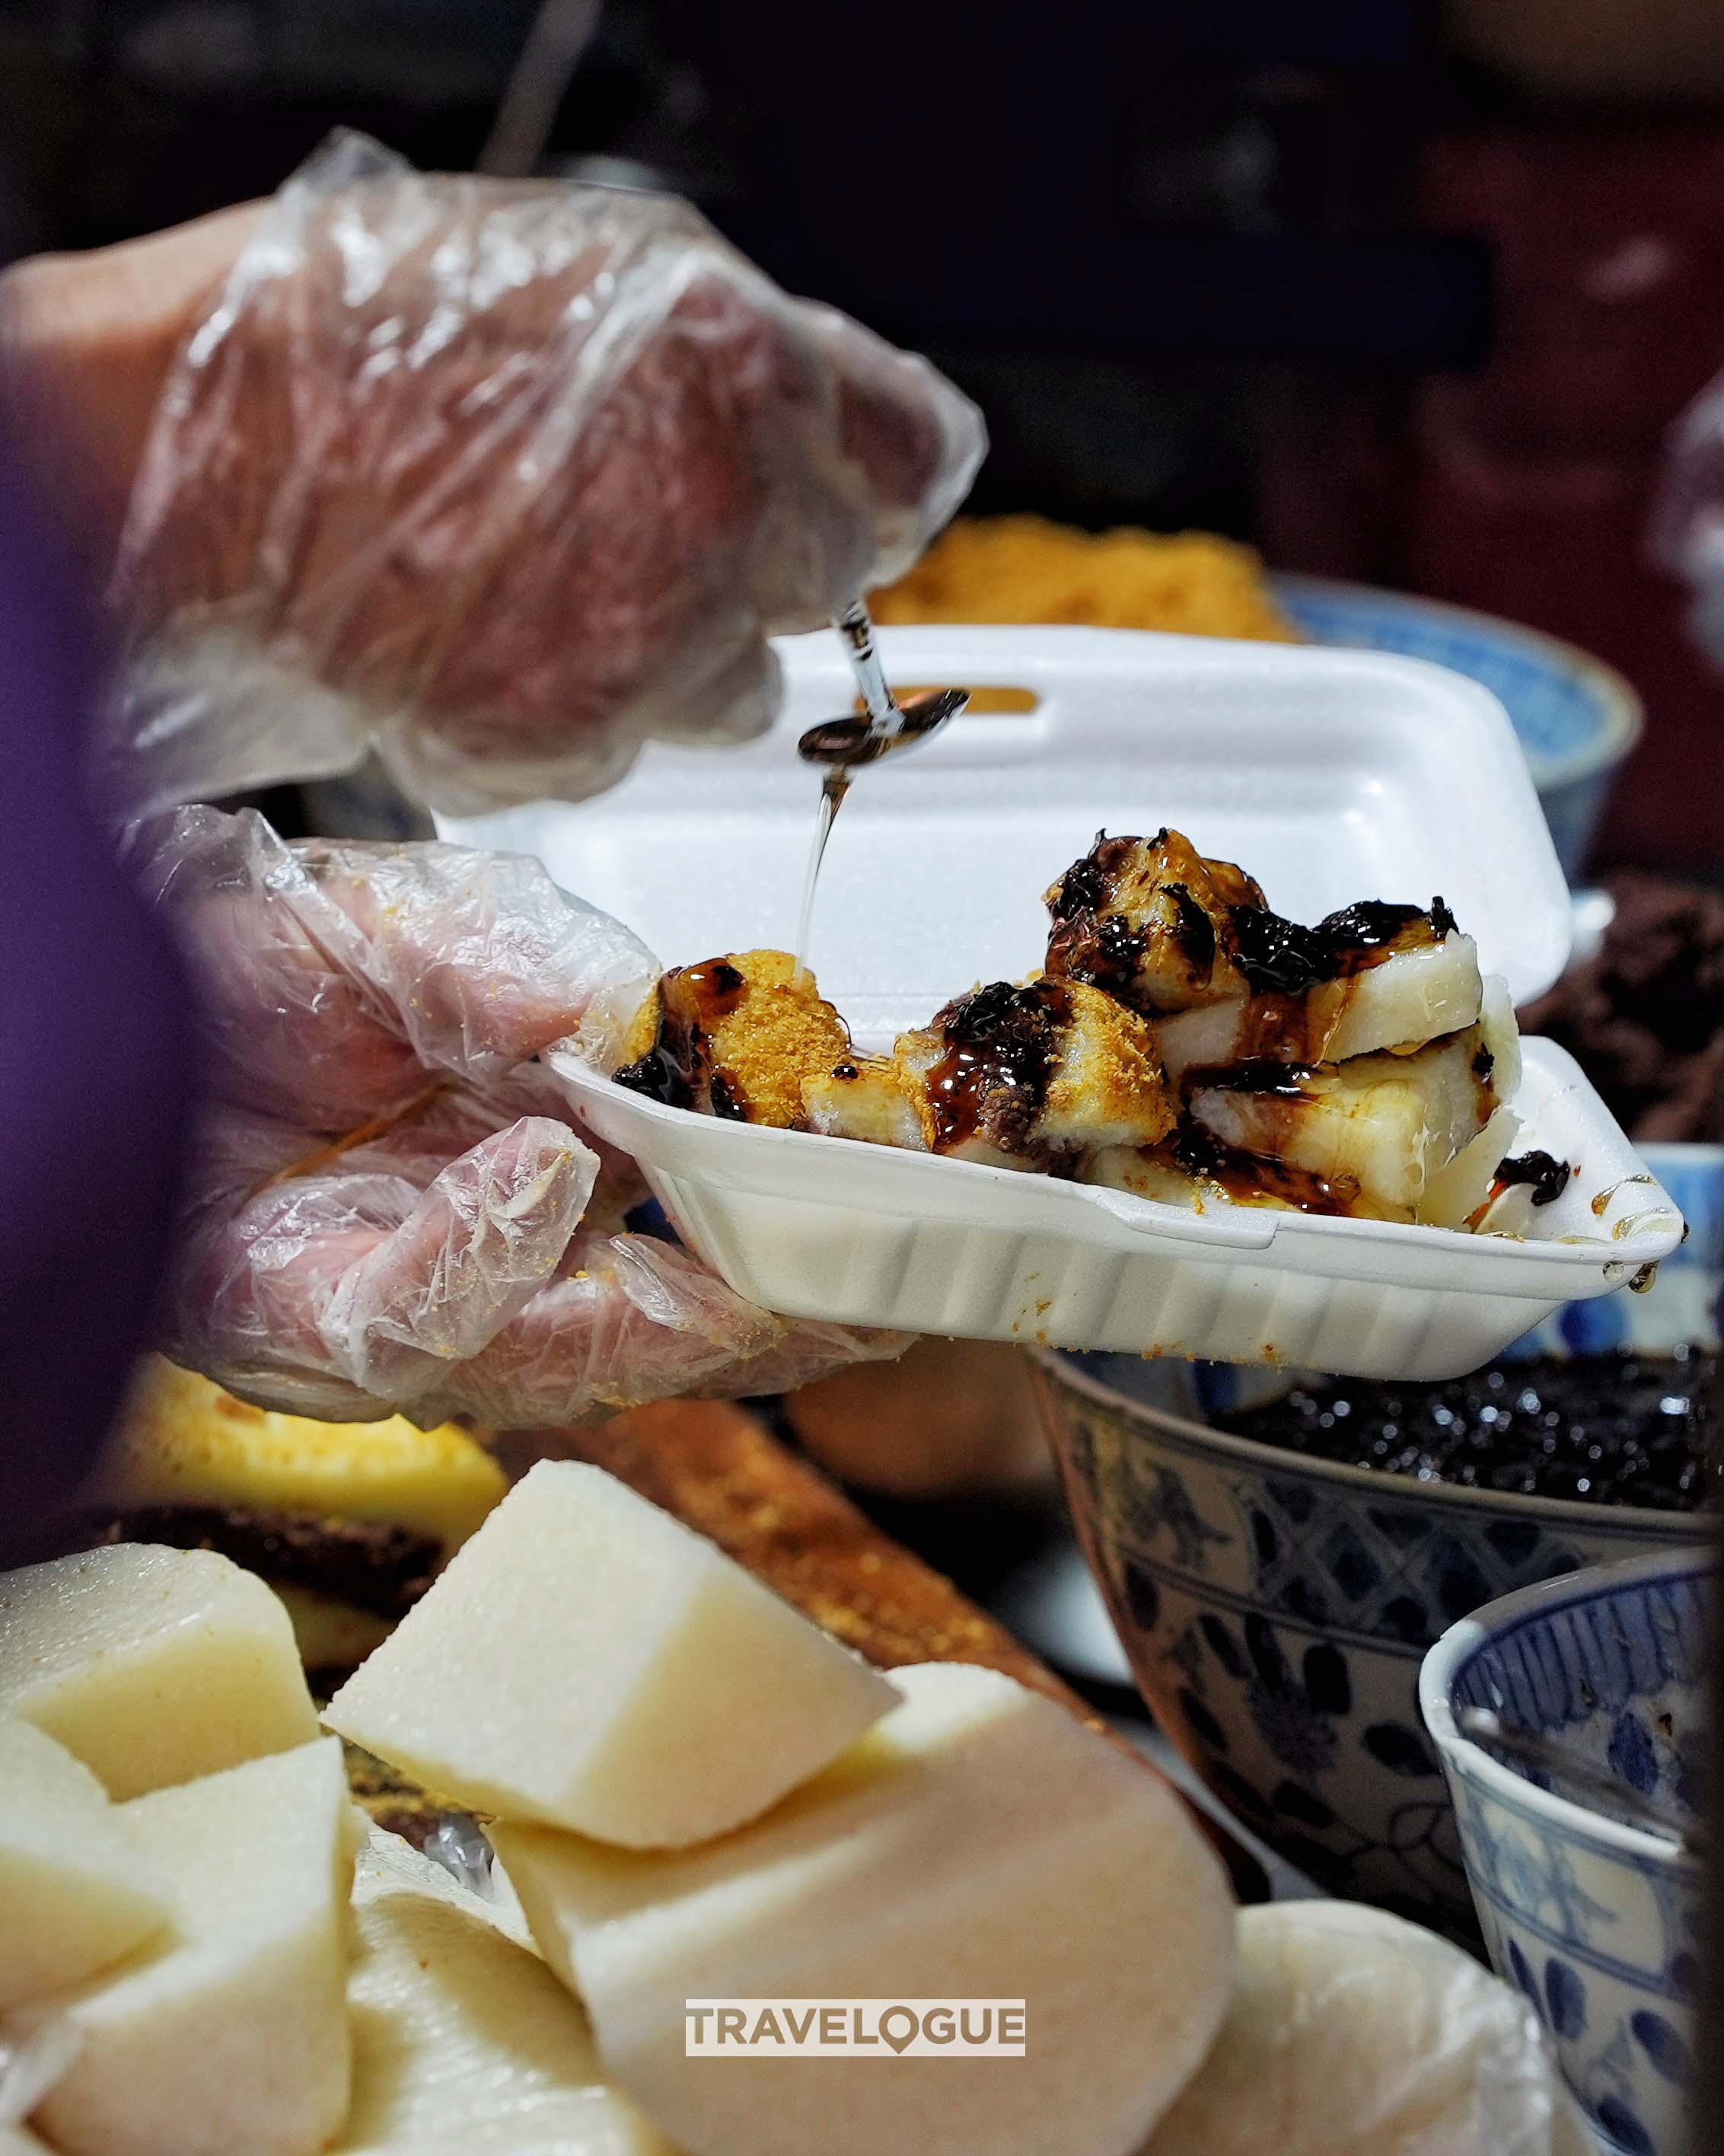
x: 96, y: 1072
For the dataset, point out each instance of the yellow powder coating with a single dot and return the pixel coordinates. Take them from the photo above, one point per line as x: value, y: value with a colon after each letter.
x: 885, y: 1102
x: 1026, y: 569
x: 643, y: 1028
x: 182, y: 1441
x: 777, y: 1032
x: 1108, y: 1072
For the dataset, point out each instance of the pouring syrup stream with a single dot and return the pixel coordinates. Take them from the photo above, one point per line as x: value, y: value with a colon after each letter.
x: 843, y: 745
x: 832, y: 789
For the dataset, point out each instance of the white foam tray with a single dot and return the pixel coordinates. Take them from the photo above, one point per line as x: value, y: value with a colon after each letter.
x: 1332, y: 775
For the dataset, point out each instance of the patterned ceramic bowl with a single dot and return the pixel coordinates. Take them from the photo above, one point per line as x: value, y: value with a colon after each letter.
x: 1577, y: 718
x: 1596, y: 1921
x: 1275, y: 1609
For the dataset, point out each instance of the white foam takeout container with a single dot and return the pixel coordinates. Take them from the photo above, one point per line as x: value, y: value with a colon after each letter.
x: 1330, y: 776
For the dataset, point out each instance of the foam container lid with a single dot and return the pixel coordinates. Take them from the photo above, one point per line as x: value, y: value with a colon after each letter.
x: 1330, y: 776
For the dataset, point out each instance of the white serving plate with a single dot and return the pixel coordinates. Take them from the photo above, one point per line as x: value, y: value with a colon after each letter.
x: 1330, y: 776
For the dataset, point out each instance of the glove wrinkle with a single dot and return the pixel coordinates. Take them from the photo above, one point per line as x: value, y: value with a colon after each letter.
x: 502, y: 479
x: 466, y: 1255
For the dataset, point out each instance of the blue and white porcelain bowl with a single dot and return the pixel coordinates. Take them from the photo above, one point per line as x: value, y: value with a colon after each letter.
x: 1576, y: 718
x: 1596, y: 1921
x: 1275, y: 1609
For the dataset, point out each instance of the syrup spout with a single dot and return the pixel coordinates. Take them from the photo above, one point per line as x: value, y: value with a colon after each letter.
x: 841, y: 745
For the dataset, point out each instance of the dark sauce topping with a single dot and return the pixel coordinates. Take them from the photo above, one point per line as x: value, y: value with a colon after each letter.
x: 1233, y: 886
x: 1262, y: 1075
x: 1193, y: 931
x: 691, y: 999
x: 1087, y: 884
x: 999, y: 1053
x: 1275, y: 1028
x: 1119, y: 945
x: 1352, y: 938
x: 723, y: 1098
x: 1279, y: 956
x: 1083, y: 889
x: 1106, y: 951
x: 715, y: 988
x: 1604, y: 1429
x: 1549, y: 1177
x: 660, y: 1075
x: 1274, y: 954
x: 1484, y: 1062
x: 1245, y: 1176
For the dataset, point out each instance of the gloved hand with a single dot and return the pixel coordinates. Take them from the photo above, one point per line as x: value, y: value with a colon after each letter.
x: 503, y: 478
x: 462, y: 1252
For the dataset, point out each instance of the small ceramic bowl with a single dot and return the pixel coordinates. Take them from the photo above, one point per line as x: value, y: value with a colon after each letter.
x: 1596, y: 1921
x: 1576, y: 718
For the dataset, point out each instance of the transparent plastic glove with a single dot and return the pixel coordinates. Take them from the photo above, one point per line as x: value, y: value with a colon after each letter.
x: 505, y: 477
x: 391, y: 1207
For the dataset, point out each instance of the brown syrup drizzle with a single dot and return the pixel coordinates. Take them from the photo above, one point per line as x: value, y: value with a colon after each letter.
x: 716, y: 987
x: 1259, y: 1074
x: 1281, y: 1035
x: 1280, y: 961
x: 1000, y: 1055
x: 1088, y: 884
x: 1001, y: 1041
x: 1105, y: 950
x: 881, y: 727
x: 1548, y: 1176
x: 678, y: 1066
x: 1245, y: 1176
x: 1278, y: 1029
x: 1601, y: 1202
x: 1193, y: 931
x: 1241, y: 1172
x: 662, y: 1073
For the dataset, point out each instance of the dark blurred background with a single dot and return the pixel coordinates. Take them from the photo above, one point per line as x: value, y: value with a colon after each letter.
x: 1399, y: 293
